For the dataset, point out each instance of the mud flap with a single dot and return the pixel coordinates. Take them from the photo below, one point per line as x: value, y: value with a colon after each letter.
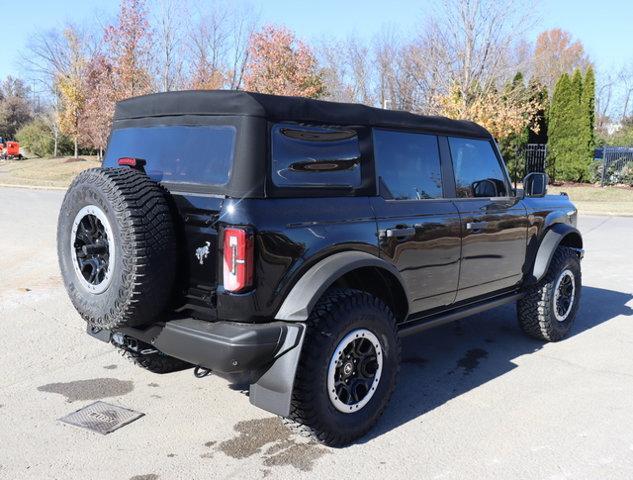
x: 273, y: 391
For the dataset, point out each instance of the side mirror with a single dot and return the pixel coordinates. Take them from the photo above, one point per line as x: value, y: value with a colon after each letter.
x: 535, y: 184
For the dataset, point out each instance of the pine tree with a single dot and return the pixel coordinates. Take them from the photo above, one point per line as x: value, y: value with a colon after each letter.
x: 588, y: 107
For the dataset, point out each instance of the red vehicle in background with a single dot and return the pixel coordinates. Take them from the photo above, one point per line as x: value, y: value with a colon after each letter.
x: 10, y: 150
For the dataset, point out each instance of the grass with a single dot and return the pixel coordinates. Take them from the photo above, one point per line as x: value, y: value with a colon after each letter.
x: 44, y: 172
x: 596, y: 200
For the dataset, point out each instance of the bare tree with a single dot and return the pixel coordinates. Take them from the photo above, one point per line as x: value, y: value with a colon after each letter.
x: 244, y: 22
x: 556, y: 53
x: 169, y: 56
x: 604, y: 96
x: 625, y: 84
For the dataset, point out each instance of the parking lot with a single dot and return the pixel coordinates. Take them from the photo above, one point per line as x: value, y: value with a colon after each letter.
x: 475, y: 399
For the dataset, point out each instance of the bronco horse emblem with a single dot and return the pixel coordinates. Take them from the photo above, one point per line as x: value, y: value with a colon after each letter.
x: 202, y: 252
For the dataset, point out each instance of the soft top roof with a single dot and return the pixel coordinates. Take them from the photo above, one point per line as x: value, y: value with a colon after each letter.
x: 281, y: 108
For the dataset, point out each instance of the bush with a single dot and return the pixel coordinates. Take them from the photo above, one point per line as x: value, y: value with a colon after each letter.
x: 36, y: 137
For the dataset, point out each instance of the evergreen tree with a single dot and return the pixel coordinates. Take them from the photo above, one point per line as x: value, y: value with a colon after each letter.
x: 567, y: 152
x: 588, y: 106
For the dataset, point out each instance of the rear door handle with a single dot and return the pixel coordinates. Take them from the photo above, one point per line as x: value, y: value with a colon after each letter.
x: 400, y: 232
x: 474, y: 226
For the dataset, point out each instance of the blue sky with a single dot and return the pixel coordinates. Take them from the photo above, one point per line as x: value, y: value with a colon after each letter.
x: 604, y: 27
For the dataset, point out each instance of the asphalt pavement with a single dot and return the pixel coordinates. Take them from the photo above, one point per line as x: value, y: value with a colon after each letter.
x: 475, y: 399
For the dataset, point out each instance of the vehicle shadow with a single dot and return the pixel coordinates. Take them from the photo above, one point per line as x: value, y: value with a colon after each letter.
x: 443, y: 363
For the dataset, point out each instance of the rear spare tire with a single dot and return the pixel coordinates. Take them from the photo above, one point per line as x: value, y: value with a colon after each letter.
x: 116, y: 247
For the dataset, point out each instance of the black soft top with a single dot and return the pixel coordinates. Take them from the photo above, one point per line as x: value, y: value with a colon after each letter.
x: 281, y: 108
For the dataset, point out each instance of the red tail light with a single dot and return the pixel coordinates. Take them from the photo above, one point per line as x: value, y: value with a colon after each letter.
x: 131, y: 162
x: 238, y: 259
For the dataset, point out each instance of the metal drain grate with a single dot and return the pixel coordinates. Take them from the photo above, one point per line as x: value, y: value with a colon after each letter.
x: 102, y: 417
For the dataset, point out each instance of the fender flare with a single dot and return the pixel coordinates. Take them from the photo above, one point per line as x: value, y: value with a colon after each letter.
x: 273, y: 390
x: 313, y: 284
x: 552, y: 239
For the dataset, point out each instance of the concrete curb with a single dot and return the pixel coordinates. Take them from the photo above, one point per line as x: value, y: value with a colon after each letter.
x: 32, y: 187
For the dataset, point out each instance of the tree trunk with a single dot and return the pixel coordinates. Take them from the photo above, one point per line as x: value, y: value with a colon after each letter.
x: 76, y: 148
x: 55, y: 144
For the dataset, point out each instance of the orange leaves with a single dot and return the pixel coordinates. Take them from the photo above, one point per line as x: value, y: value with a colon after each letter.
x: 281, y: 64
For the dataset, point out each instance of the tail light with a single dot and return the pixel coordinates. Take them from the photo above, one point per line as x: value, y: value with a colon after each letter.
x: 238, y: 259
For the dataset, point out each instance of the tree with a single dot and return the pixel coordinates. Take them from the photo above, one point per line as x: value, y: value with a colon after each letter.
x: 71, y: 88
x: 99, y: 104
x: 556, y: 53
x: 588, y: 112
x: 129, y: 46
x: 279, y: 63
x: 567, y: 154
x: 169, y: 55
x: 15, y: 106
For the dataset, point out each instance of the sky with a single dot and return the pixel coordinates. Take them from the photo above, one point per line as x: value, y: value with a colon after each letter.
x: 604, y: 27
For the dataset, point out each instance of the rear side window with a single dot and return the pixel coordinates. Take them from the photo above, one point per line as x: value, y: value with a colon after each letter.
x: 408, y: 164
x: 177, y: 154
x: 477, y: 169
x: 315, y: 156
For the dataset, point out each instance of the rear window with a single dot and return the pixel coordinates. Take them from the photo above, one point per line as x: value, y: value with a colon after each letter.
x: 177, y: 154
x: 315, y: 156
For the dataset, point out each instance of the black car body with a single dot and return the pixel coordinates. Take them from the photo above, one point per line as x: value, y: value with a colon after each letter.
x: 293, y: 197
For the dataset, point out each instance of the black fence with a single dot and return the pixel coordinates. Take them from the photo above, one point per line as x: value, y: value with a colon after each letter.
x: 535, y: 155
x: 617, y: 165
x: 612, y: 165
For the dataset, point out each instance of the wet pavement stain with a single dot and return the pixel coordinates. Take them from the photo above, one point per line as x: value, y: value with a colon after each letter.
x: 210, y: 444
x: 471, y: 359
x: 149, y: 476
x: 171, y: 455
x: 300, y: 456
x: 111, y: 367
x: 284, y: 449
x: 93, y: 389
x: 153, y: 385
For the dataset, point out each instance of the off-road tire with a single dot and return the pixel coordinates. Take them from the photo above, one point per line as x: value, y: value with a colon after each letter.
x: 155, y: 362
x: 339, y: 312
x: 144, y: 267
x: 535, y: 310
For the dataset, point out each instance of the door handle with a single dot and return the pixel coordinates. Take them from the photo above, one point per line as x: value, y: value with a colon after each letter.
x: 400, y: 232
x: 476, y: 225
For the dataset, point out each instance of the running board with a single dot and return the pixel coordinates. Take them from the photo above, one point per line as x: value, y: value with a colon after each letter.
x: 416, y: 326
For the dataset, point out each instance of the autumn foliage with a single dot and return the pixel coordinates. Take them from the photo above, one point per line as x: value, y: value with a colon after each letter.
x: 281, y: 64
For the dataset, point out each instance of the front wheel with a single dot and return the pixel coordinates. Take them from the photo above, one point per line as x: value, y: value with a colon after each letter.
x: 348, y: 367
x: 548, y: 310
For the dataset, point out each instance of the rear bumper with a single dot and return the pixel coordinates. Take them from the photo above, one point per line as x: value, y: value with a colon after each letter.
x: 227, y: 348
x: 265, y: 355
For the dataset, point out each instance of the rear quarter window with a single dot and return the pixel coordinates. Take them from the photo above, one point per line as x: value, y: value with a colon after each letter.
x: 177, y: 154
x: 315, y: 156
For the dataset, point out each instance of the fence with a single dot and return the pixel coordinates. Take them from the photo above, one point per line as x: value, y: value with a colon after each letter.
x: 535, y: 155
x: 617, y: 165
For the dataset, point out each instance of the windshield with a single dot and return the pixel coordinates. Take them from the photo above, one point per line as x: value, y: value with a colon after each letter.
x: 177, y: 154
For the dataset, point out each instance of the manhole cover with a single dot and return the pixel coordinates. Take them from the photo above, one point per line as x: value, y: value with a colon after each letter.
x: 102, y: 417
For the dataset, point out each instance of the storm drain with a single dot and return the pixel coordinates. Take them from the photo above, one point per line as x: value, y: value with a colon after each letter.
x: 102, y: 417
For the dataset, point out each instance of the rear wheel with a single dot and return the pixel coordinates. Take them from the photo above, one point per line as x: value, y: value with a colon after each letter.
x: 348, y: 367
x: 548, y: 310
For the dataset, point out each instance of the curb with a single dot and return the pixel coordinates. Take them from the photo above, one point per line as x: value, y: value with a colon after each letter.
x: 32, y: 187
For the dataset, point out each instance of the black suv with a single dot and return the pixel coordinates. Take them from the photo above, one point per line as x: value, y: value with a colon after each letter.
x: 288, y: 244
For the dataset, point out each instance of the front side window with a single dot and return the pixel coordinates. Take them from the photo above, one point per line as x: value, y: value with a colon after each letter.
x: 477, y: 169
x: 315, y: 156
x: 177, y: 154
x: 408, y: 164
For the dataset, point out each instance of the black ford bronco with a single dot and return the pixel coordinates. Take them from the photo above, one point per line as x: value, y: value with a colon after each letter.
x: 288, y: 244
